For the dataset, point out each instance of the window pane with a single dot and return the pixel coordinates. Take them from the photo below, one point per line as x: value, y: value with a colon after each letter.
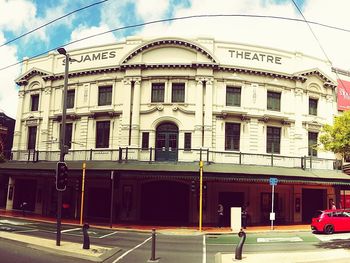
x: 312, y: 143
x: 157, y: 92
x: 68, y: 135
x: 233, y: 96
x: 312, y: 106
x: 35, y: 102
x: 273, y: 140
x: 145, y: 140
x: 273, y: 101
x: 31, y: 137
x: 70, y: 99
x: 102, y: 134
x: 232, y: 136
x: 187, y: 145
x: 104, y: 95
x: 178, y: 92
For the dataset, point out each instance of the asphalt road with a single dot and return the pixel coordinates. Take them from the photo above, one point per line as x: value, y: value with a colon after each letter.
x: 170, y: 248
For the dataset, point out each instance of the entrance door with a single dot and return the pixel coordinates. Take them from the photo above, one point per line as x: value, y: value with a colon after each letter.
x: 166, y: 142
x: 312, y: 200
x: 228, y: 200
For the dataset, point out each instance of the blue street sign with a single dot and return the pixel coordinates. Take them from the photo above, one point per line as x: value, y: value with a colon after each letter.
x: 273, y: 181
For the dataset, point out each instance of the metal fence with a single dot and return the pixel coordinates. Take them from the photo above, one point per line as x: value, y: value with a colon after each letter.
x: 124, y: 154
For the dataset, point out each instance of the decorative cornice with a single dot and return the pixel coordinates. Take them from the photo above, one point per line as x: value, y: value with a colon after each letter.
x: 170, y: 42
x: 24, y: 79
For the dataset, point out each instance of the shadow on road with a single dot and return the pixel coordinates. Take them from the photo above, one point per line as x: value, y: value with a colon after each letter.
x: 335, y: 244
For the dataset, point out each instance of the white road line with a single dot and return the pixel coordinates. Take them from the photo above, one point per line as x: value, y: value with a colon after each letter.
x: 25, y: 231
x: 70, y: 230
x: 127, y: 252
x: 204, y: 251
x: 109, y: 234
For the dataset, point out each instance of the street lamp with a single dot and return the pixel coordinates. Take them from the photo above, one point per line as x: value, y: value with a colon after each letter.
x: 63, y: 147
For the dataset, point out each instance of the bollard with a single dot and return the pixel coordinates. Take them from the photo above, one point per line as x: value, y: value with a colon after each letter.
x: 153, y: 252
x: 86, y: 244
x: 239, y: 248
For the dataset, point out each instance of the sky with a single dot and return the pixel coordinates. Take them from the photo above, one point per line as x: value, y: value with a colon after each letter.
x: 18, y: 17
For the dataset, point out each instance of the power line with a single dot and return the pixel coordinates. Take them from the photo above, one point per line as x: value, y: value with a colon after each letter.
x: 177, y: 19
x: 52, y: 21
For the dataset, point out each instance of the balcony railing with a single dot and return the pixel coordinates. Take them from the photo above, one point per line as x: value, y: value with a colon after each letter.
x: 125, y: 154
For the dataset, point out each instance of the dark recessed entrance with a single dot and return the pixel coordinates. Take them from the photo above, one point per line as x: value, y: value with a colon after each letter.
x: 228, y: 200
x: 165, y: 202
x: 167, y: 142
x: 25, y: 191
x: 312, y: 200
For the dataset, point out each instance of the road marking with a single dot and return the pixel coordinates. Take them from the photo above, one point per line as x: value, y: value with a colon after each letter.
x: 278, y: 239
x: 25, y: 231
x: 70, y: 230
x: 332, y: 237
x: 127, y: 252
x: 109, y: 234
x: 204, y: 251
x: 16, y: 223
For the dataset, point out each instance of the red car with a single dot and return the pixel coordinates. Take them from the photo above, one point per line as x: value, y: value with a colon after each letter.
x: 330, y: 221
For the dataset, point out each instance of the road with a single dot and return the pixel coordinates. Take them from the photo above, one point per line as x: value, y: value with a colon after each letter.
x: 170, y: 248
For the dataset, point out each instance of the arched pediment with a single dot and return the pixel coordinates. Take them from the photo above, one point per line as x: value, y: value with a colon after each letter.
x: 169, y: 50
x: 24, y: 78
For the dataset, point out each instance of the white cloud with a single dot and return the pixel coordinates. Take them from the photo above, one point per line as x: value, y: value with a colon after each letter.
x: 82, y: 32
x: 151, y: 9
x: 281, y: 34
x: 8, y: 92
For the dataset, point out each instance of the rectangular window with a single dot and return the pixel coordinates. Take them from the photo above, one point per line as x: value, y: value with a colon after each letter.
x: 273, y: 101
x: 145, y: 140
x: 233, y: 96
x: 34, y: 102
x: 70, y: 98
x: 188, y: 138
x: 178, y: 92
x: 32, y: 137
x: 102, y: 134
x: 68, y: 135
x: 232, y: 136
x: 312, y: 143
x: 313, y: 106
x: 104, y: 95
x: 273, y: 140
x: 157, y: 92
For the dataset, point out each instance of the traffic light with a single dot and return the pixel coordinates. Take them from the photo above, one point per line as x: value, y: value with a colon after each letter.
x: 61, y: 176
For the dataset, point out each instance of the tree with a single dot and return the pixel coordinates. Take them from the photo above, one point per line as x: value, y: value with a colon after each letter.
x: 336, y: 138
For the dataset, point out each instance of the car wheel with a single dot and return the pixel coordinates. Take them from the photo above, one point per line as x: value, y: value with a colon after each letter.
x: 329, y: 229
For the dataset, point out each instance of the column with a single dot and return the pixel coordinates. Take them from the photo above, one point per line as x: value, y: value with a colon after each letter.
x: 10, y: 193
x: 208, y: 114
x: 197, y: 138
x: 44, y: 126
x: 125, y: 124
x: 18, y: 125
x: 135, y: 119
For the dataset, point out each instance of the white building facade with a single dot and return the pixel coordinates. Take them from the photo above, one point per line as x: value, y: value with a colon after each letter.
x: 147, y: 110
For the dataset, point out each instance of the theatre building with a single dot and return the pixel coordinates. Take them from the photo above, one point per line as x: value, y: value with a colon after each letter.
x: 142, y: 114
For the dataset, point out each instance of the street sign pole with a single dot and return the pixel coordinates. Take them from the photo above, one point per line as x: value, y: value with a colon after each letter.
x: 273, y: 201
x: 200, y: 194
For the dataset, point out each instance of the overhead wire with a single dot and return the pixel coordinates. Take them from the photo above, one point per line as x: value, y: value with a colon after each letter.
x: 52, y: 21
x: 177, y: 19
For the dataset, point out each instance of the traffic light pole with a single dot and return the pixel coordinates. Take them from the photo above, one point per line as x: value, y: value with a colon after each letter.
x: 62, y: 143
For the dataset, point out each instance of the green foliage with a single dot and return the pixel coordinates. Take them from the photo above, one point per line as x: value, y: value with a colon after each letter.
x: 336, y: 138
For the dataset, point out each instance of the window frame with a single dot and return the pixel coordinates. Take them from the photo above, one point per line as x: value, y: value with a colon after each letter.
x: 232, y: 141
x: 272, y: 99
x: 233, y: 98
x: 70, y: 98
x: 313, y: 108
x: 272, y: 140
x: 34, y: 103
x: 310, y: 142
x: 158, y: 92
x: 105, y: 94
x: 68, y: 134
x: 32, y: 133
x: 187, y: 141
x: 145, y: 141
x: 179, y: 88
x: 102, y: 134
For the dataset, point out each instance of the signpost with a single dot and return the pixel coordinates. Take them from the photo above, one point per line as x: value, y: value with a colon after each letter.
x: 273, y: 182
x: 200, y: 194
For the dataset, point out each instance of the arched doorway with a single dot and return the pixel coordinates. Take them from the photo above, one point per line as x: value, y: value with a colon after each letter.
x: 165, y: 202
x: 167, y: 142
